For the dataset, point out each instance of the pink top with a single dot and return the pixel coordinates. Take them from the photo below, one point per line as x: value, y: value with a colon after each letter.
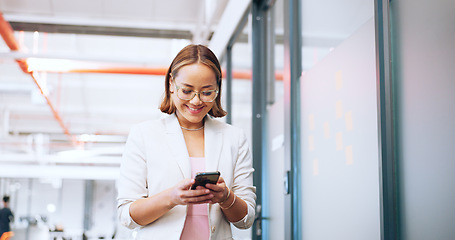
x: 197, y: 221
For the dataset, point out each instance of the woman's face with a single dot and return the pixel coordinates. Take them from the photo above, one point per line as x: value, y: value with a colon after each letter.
x: 195, y: 77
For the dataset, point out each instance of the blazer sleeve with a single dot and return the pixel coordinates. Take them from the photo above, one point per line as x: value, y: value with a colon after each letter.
x: 132, y: 184
x: 243, y: 182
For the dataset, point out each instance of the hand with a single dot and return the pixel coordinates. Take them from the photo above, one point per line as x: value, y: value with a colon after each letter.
x: 219, y: 191
x: 181, y: 194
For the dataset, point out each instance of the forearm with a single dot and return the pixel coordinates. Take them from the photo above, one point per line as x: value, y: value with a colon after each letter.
x: 147, y: 210
x: 234, y: 208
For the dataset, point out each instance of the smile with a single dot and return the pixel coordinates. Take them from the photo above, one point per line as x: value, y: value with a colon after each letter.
x: 195, y: 110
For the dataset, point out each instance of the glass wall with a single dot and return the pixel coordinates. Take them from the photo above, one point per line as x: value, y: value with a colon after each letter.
x: 339, y: 151
x: 423, y: 51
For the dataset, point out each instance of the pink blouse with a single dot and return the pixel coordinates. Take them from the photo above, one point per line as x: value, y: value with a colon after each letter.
x: 197, y: 221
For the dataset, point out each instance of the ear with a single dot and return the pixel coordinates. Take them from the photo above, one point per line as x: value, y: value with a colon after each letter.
x: 171, y: 85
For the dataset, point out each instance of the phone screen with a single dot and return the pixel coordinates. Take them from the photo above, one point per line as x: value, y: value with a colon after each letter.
x: 203, y: 178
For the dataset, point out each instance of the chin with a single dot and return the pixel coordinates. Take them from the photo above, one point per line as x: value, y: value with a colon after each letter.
x: 193, y: 118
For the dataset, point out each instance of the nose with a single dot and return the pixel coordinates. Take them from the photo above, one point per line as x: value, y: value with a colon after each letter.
x: 196, y: 99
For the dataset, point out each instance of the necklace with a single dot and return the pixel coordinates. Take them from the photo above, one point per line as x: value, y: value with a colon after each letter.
x: 189, y: 129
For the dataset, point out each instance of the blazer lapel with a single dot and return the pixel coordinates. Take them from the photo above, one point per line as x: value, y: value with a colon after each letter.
x: 213, y: 142
x: 175, y: 140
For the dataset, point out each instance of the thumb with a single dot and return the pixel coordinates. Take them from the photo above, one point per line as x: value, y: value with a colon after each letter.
x: 185, y: 184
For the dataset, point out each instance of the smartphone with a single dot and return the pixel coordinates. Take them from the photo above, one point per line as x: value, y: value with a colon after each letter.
x: 203, y: 178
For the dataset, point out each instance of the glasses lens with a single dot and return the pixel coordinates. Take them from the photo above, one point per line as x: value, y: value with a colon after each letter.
x: 185, y: 94
x: 208, y: 96
x: 205, y: 96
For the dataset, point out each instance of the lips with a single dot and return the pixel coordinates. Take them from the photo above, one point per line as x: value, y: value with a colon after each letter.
x: 194, y: 110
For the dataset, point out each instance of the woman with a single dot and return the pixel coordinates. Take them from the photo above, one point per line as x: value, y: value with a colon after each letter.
x: 161, y: 158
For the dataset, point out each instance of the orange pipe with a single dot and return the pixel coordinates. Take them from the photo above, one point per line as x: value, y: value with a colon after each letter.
x: 120, y: 70
x: 156, y: 71
x: 249, y: 75
x: 54, y: 112
x: 7, y: 33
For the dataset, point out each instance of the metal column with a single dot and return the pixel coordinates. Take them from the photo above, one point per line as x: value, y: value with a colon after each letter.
x: 29, y: 207
x: 229, y: 84
x: 387, y: 153
x: 88, y: 202
x: 292, y: 74
x: 228, y: 59
x: 260, y: 38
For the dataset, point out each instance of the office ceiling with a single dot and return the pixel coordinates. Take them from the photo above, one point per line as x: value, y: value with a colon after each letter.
x: 73, y: 47
x: 73, y: 110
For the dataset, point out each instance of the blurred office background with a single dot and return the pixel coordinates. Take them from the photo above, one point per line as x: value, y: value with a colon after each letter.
x: 375, y: 126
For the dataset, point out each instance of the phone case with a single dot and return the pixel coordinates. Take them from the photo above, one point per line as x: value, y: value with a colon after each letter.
x: 203, y: 178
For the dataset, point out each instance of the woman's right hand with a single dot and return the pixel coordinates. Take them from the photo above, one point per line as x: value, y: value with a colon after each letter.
x: 181, y: 194
x: 146, y: 210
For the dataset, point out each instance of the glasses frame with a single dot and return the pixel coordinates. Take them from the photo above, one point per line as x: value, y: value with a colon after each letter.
x: 195, y: 93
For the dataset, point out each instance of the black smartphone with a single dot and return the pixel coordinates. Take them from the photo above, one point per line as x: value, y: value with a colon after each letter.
x: 203, y: 178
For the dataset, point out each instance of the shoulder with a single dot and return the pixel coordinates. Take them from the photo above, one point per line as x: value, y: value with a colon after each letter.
x: 5, y: 211
x: 151, y: 125
x: 148, y: 130
x: 225, y: 128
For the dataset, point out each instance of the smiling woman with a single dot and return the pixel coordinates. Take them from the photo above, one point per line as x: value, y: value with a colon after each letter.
x: 162, y: 157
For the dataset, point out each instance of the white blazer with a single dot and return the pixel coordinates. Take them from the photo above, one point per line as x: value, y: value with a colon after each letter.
x: 156, y: 158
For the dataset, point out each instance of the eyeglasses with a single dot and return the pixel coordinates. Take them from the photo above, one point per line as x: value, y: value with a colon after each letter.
x: 188, y: 94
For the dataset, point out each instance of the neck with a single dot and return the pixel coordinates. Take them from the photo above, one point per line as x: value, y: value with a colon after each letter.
x: 184, y: 124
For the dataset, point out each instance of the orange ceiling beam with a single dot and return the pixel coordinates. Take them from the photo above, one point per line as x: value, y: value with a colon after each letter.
x: 7, y: 33
x: 156, y: 71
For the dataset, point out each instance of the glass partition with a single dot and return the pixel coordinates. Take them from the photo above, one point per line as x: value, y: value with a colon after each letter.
x: 423, y: 54
x: 339, y: 129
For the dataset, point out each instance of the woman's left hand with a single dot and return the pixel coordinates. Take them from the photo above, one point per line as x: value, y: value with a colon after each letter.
x: 219, y: 191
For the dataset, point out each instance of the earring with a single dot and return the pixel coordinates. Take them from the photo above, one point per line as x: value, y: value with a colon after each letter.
x: 171, y: 89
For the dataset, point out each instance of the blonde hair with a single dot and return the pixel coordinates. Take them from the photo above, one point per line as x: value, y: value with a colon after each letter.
x: 193, y: 54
